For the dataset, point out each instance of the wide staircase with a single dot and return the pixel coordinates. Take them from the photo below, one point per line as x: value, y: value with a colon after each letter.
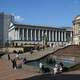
x: 71, y: 50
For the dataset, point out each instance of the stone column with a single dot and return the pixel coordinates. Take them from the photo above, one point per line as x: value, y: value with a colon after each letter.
x: 61, y: 36
x: 23, y: 34
x: 52, y: 35
x: 35, y: 34
x: 56, y: 36
x: 39, y: 35
x: 27, y: 34
x: 18, y: 34
x: 64, y: 36
x: 46, y: 33
x: 42, y: 37
x: 71, y: 35
x: 31, y: 34
x: 49, y: 36
x: 15, y: 35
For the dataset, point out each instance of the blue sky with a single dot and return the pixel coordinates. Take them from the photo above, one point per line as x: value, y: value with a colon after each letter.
x: 42, y: 12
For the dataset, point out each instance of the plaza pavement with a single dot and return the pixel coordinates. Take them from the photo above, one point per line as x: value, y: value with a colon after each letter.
x: 35, y: 55
x: 8, y: 73
x: 31, y: 73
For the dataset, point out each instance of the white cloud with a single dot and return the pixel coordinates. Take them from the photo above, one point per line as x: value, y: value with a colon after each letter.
x: 19, y: 18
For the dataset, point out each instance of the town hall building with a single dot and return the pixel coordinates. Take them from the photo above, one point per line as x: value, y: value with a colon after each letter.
x: 18, y: 33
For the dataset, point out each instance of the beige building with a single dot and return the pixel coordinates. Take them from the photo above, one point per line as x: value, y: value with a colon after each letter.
x: 76, y: 30
x: 22, y: 34
x: 32, y: 34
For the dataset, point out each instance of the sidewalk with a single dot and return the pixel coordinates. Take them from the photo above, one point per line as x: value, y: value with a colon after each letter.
x: 35, y: 55
x: 8, y: 73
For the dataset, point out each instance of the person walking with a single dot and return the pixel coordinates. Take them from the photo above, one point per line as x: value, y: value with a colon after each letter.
x: 61, y: 66
x: 8, y: 56
x: 40, y: 66
x: 24, y: 60
x: 55, y: 70
x: 14, y: 64
x: 60, y: 69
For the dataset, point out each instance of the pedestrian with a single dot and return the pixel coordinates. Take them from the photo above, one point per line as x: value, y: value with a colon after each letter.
x: 24, y: 60
x: 60, y: 69
x: 56, y: 65
x: 14, y: 64
x: 61, y: 66
x: 8, y: 57
x: 40, y: 66
x: 55, y: 70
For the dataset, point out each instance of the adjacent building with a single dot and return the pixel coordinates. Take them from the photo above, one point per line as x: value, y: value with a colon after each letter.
x: 5, y: 20
x: 76, y: 30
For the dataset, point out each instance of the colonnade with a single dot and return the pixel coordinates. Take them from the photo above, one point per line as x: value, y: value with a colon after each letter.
x: 37, y: 34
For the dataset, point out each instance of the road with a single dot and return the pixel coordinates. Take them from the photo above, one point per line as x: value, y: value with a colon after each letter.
x: 57, y: 77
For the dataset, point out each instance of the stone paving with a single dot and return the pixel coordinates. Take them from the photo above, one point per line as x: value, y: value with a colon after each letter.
x: 8, y: 73
x: 35, y: 55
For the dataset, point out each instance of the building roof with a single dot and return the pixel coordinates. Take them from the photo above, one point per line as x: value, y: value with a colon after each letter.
x: 36, y: 26
x: 77, y: 17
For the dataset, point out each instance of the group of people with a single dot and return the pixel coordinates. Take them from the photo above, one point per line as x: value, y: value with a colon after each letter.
x: 57, y: 68
x: 17, y: 61
x: 14, y: 61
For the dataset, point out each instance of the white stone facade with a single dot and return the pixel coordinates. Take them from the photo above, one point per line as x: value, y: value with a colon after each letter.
x: 76, y: 30
x: 30, y: 34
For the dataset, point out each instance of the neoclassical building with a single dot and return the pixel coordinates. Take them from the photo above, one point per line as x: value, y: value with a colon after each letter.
x: 33, y: 34
x: 76, y: 30
x: 17, y: 33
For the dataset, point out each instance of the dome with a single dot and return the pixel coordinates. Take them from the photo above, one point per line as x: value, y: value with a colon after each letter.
x: 77, y: 17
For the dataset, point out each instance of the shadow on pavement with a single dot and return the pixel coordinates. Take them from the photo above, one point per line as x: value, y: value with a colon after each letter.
x: 51, y: 77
